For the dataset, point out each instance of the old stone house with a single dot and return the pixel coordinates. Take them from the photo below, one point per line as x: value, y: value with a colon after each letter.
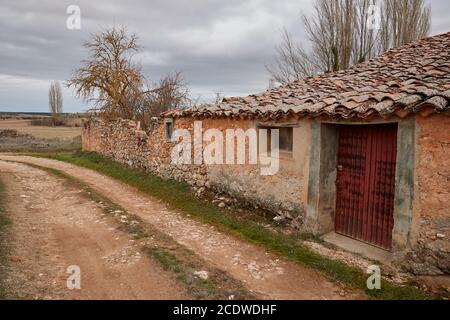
x: 364, y: 152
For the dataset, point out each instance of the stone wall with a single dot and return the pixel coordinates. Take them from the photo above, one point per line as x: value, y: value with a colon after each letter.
x: 125, y: 142
x: 283, y: 194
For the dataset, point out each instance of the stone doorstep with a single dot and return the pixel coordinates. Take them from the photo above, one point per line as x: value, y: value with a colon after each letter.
x: 358, y: 247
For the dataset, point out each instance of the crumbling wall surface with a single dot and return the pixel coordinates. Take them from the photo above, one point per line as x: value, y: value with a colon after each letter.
x: 283, y: 193
x: 432, y: 254
x: 121, y: 140
x: 125, y: 142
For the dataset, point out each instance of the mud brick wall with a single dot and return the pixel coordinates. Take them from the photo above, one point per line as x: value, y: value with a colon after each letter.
x: 432, y: 205
x: 283, y: 194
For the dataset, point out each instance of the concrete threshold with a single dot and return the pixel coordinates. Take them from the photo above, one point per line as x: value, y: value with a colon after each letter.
x: 358, y: 247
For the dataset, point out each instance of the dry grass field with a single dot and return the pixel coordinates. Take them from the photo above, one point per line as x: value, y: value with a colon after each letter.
x: 19, y: 135
x: 40, y: 132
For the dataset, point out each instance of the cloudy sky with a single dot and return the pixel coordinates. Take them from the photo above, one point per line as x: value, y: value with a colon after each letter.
x: 220, y: 46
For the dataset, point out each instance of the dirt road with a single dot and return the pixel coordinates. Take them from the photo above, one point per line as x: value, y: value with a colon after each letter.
x: 54, y: 227
x: 266, y: 275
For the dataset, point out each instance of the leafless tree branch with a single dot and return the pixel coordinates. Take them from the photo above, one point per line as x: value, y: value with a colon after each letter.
x: 340, y: 36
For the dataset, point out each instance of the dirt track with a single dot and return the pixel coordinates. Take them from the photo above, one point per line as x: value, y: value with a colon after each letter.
x: 265, y: 275
x: 53, y: 227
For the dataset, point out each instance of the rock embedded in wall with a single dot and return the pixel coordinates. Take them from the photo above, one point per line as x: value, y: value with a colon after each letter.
x: 432, y: 253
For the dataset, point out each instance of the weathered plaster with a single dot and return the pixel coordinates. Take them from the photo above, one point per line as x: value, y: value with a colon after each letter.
x: 404, y: 184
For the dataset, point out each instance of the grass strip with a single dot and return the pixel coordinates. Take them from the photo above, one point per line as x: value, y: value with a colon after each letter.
x: 4, y: 224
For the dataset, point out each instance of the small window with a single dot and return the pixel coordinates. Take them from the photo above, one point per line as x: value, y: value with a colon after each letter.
x: 285, y: 139
x: 169, y: 129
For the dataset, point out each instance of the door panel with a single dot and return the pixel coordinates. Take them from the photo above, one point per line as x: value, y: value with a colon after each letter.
x: 366, y: 183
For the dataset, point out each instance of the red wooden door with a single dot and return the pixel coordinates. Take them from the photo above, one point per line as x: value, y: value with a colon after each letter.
x: 366, y: 183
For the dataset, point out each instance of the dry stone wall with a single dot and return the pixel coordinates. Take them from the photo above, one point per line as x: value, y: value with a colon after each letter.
x: 125, y: 142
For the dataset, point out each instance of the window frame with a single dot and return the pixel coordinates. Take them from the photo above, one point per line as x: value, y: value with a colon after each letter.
x: 282, y: 152
x: 169, y: 123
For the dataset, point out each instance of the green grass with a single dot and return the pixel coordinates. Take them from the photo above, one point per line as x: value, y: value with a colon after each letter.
x: 4, y: 223
x: 184, y: 270
x: 179, y: 196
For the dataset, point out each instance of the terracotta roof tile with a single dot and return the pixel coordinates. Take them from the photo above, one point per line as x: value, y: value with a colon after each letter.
x: 405, y: 79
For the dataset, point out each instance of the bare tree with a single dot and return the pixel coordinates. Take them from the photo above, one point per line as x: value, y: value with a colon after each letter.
x: 116, y: 85
x: 365, y: 38
x: 55, y: 101
x: 403, y: 22
x: 330, y: 31
x: 291, y: 61
x: 341, y: 36
x: 108, y: 77
x: 171, y: 92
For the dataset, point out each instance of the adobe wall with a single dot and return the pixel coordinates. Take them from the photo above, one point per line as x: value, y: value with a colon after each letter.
x: 284, y: 193
x: 431, y: 226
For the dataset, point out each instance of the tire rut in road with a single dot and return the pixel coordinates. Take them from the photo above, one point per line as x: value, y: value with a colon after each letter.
x: 55, y: 226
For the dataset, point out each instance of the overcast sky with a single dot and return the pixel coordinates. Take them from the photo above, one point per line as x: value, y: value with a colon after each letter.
x: 220, y: 46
